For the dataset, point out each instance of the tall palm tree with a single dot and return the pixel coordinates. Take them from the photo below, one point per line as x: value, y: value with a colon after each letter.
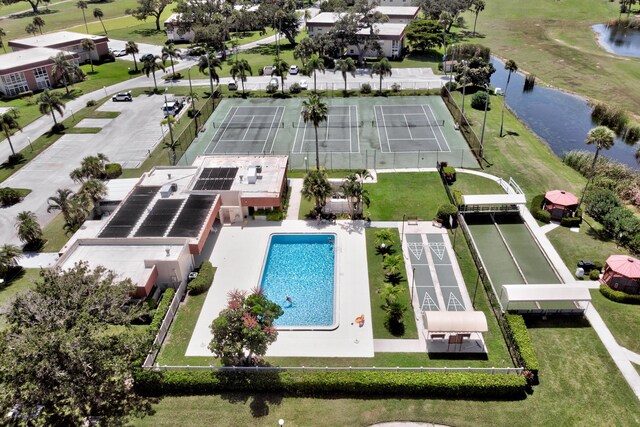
x: 9, y: 256
x: 314, y: 63
x: 210, y: 62
x: 82, y: 5
x: 280, y: 68
x: 172, y: 143
x: 132, y: 49
x: 3, y: 33
x: 93, y: 167
x: 240, y: 68
x: 354, y: 191
x: 38, y: 22
x: 510, y: 66
x: 603, y: 137
x: 61, y: 201
x: 51, y: 102
x: 346, y: 66
x: 94, y: 189
x: 7, y: 124
x: 383, y: 68
x: 315, y: 111
x: 444, y: 20
x: 31, y: 29
x: 89, y: 46
x: 67, y: 70
x: 150, y: 66
x: 170, y: 51
x: 316, y: 187
x: 29, y: 230
x: 79, y: 208
x: 98, y: 13
x: 477, y: 6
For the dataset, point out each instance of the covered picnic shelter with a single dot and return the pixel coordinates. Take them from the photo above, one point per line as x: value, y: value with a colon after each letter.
x: 622, y: 273
x: 455, y: 330
x: 544, y: 299
x: 560, y: 204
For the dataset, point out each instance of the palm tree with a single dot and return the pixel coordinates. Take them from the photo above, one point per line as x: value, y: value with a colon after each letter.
x: 3, y: 33
x: 38, y: 22
x: 50, y: 102
x: 315, y: 111
x: 477, y: 6
x: 7, y: 124
x: 61, y: 202
x: 89, y: 45
x: 93, y: 167
x: 383, y: 68
x: 316, y: 186
x: 9, y: 255
x: 314, y: 63
x: 346, y: 66
x: 445, y: 19
x: 392, y: 265
x: 29, y: 230
x: 354, y: 191
x: 82, y: 5
x: 132, y: 49
x: 603, y: 137
x: 240, y: 68
x: 67, y: 70
x: 210, y: 62
x: 98, y: 13
x: 170, y: 51
x: 280, y: 68
x: 31, y: 29
x: 79, y: 208
x: 172, y: 143
x: 510, y: 66
x: 151, y: 65
x: 94, y: 189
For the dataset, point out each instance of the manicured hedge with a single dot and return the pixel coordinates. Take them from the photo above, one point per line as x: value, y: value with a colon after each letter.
x: 535, y: 207
x: 113, y: 170
x: 161, y: 311
x: 457, y: 197
x: 517, y: 329
x: 571, y: 221
x: 202, y: 283
x: 617, y: 296
x: 445, y: 211
x: 320, y: 383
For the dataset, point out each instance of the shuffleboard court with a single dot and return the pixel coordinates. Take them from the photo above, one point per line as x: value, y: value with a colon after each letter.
x: 451, y: 292
x: 339, y: 133
x: 409, y: 128
x: 423, y: 282
x: 250, y: 129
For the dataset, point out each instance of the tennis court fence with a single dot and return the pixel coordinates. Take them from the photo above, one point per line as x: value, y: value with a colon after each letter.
x: 470, y: 136
x: 324, y: 125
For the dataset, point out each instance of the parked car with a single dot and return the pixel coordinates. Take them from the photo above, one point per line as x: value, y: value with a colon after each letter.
x: 172, y: 108
x: 146, y: 56
x: 303, y: 84
x: 274, y: 82
x: 119, y: 53
x: 232, y: 85
x: 293, y: 70
x: 122, y: 96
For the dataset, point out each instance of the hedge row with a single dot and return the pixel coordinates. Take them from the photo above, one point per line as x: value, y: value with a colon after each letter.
x: 202, y: 283
x: 617, y: 296
x: 314, y: 383
x: 535, y: 207
x: 161, y: 310
x: 517, y: 329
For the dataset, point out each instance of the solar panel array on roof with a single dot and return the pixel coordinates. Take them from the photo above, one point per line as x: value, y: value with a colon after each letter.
x: 130, y: 212
x: 193, y: 215
x: 212, y: 179
x: 159, y: 219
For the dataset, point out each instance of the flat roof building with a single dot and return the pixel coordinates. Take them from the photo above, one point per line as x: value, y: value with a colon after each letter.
x: 67, y: 41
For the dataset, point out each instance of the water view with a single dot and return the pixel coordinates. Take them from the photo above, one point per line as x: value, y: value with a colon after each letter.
x: 621, y: 41
x: 561, y: 119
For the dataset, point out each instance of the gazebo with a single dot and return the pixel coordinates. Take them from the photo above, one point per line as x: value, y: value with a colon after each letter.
x: 622, y: 273
x: 560, y: 204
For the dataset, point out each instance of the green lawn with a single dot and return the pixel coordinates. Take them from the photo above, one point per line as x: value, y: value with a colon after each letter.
x: 623, y: 320
x: 474, y: 184
x: 22, y: 282
x: 412, y: 193
x: 377, y: 281
x: 55, y: 235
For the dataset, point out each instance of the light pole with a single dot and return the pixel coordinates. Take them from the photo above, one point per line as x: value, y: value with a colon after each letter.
x: 169, y: 117
x: 72, y: 114
x: 306, y: 165
x: 29, y: 139
x: 484, y: 121
x: 476, y: 289
x: 413, y: 285
x: 210, y: 75
x: 105, y: 90
x: 193, y: 102
x: 464, y: 83
x: 402, y: 236
x: 280, y: 422
x: 453, y: 55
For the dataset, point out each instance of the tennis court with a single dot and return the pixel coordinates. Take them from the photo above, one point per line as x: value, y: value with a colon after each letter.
x: 409, y: 128
x: 247, y: 129
x: 339, y: 133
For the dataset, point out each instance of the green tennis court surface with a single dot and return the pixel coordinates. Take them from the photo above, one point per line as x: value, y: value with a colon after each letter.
x: 367, y: 132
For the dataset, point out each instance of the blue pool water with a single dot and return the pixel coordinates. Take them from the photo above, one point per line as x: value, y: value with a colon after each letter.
x: 301, y: 266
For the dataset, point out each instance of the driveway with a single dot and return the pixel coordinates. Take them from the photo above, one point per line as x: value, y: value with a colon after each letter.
x: 144, y: 48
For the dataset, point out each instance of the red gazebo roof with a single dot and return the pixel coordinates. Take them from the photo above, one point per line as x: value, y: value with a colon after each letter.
x: 625, y: 266
x: 559, y: 197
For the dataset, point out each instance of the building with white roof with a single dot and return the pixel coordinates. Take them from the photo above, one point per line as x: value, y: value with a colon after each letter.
x: 29, y: 70
x: 399, y: 15
x: 67, y: 41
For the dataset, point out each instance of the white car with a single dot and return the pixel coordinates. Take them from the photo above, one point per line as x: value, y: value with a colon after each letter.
x: 293, y: 70
x: 303, y: 84
x: 119, y: 53
x: 123, y: 96
x: 232, y: 85
x: 274, y: 82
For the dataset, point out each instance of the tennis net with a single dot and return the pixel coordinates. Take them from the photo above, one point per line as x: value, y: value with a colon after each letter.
x: 398, y: 124
x: 332, y: 124
x: 247, y: 125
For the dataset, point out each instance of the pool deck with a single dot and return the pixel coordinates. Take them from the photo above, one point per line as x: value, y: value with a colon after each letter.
x: 239, y: 254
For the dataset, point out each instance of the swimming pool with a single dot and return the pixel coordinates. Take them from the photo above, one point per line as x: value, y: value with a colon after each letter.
x: 301, y: 267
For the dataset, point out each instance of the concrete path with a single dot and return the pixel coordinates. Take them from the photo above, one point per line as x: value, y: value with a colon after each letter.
x: 398, y: 346
x: 295, y: 199
x: 38, y: 260
x: 633, y: 357
x: 549, y: 227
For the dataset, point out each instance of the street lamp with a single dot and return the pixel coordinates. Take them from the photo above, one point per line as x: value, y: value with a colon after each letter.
x: 464, y: 82
x: 480, y: 269
x: 280, y: 422
x: 105, y: 90
x: 169, y: 117
x: 453, y: 55
x: 29, y: 139
x: 402, y: 236
x: 306, y: 165
x: 72, y: 114
x: 484, y: 121
x: 193, y: 102
x: 209, y: 68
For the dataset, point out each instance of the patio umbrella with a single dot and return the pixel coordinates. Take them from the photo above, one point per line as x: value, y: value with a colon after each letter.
x: 563, y: 198
x: 625, y: 266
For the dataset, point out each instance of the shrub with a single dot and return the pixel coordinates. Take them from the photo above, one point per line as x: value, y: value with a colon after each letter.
x: 457, y: 197
x: 599, y: 202
x: 91, y: 103
x: 451, y: 86
x: 634, y: 244
x: 58, y: 128
x: 620, y: 222
x: 542, y: 216
x: 365, y: 88
x: 113, y: 170
x: 610, y: 116
x: 570, y: 222
x: 478, y: 100
x: 449, y: 173
x: 295, y: 88
x: 272, y: 88
x: 631, y: 133
x: 536, y: 203
x: 315, y: 383
x: 516, y: 330
x: 618, y: 296
x: 445, y: 211
x: 470, y: 50
x: 594, y: 274
x: 395, y: 88
x: 9, y: 196
x: 14, y: 159
x: 162, y: 310
x: 202, y: 283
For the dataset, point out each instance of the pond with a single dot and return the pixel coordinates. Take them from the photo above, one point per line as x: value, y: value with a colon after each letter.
x: 617, y: 40
x: 561, y: 119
